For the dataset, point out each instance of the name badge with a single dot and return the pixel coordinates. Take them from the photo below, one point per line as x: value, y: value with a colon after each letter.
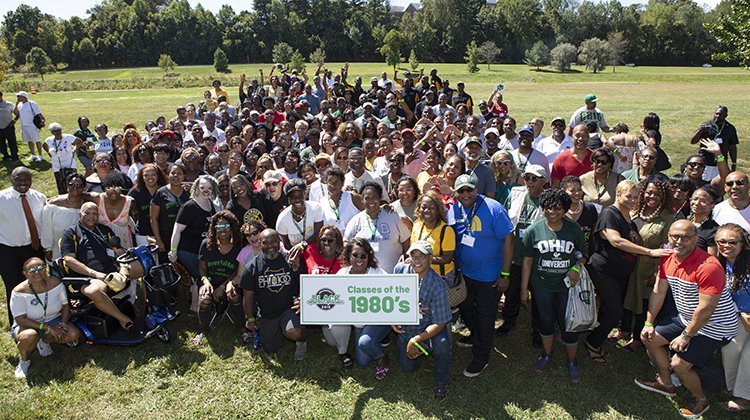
x: 468, y: 241
x: 718, y: 140
x: 110, y: 253
x: 375, y: 246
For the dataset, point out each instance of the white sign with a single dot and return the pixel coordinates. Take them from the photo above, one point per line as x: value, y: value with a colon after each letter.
x: 389, y: 299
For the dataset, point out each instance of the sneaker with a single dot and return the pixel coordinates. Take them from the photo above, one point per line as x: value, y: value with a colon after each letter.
x: 198, y: 339
x: 465, y: 341
x: 248, y: 337
x: 676, y: 381
x: 695, y: 409
x: 22, y: 369
x: 40, y: 158
x: 656, y: 386
x: 440, y: 391
x: 301, y: 351
x: 386, y: 341
x: 504, y: 329
x: 474, y: 369
x: 346, y: 361
x: 382, y: 368
x: 542, y: 362
x: 32, y: 158
x: 574, y: 373
x: 44, y: 349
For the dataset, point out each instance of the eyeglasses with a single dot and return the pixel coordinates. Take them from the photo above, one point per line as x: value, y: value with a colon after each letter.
x: 648, y: 157
x: 322, y: 165
x: 678, y: 238
x: 727, y: 242
x: 696, y: 164
x: 223, y: 226
x: 738, y: 182
x: 359, y: 256
x: 37, y: 269
x: 223, y: 151
x: 325, y: 240
x: 396, y: 160
x: 601, y: 161
x: 272, y: 184
x: 465, y: 190
x: 530, y: 178
x: 76, y: 185
x: 116, y: 189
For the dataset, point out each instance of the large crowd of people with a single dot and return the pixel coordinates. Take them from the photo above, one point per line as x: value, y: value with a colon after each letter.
x: 245, y: 191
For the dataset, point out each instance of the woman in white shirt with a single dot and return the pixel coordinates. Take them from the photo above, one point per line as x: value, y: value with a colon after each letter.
x: 339, y: 206
x: 41, y: 314
x: 61, y: 150
x: 301, y: 221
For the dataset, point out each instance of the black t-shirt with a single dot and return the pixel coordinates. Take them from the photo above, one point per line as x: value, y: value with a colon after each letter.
x: 257, y: 210
x: 142, y: 198
x: 274, y: 282
x: 728, y: 135
x: 90, y: 246
x: 219, y: 266
x: 196, y: 221
x: 587, y: 222
x: 706, y: 233
x: 606, y: 256
x: 274, y: 208
x: 169, y: 205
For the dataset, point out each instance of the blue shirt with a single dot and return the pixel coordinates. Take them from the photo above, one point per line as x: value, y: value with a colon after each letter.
x: 489, y: 226
x: 741, y: 296
x: 313, y: 101
x: 433, y: 297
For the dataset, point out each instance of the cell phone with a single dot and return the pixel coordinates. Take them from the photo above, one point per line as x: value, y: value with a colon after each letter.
x: 567, y: 281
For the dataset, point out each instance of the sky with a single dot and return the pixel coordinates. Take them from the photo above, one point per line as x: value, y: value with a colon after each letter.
x: 69, y: 8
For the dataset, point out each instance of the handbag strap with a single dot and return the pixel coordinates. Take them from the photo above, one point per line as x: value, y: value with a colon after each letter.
x: 440, y: 244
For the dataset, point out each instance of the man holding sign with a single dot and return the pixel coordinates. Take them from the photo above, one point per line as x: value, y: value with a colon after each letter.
x: 432, y: 337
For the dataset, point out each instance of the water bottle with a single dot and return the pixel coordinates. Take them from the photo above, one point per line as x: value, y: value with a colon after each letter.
x: 256, y: 340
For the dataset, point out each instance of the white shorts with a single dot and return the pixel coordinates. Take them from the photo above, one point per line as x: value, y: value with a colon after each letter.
x: 710, y: 173
x: 30, y: 134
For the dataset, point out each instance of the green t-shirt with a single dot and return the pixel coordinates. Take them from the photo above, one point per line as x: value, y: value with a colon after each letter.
x: 530, y: 212
x: 554, y: 253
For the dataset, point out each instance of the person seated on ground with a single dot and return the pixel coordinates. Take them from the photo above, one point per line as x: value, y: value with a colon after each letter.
x: 41, y: 312
x: 219, y: 271
x: 433, y: 334
x: 89, y: 249
x: 271, y: 279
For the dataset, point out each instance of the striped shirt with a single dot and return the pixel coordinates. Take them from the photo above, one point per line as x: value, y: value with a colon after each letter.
x: 701, y: 273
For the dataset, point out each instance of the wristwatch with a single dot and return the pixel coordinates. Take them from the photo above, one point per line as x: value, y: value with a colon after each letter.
x: 685, y: 334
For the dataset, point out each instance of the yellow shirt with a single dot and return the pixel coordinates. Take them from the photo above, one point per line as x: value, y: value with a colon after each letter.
x: 221, y: 92
x: 420, y: 233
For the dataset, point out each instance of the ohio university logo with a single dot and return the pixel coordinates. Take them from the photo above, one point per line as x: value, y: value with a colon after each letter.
x: 325, y: 299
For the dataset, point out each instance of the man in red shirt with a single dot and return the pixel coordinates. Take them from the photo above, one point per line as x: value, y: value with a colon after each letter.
x: 575, y: 161
x: 706, y: 318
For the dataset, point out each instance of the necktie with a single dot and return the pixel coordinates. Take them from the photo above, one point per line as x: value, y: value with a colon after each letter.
x: 30, y: 222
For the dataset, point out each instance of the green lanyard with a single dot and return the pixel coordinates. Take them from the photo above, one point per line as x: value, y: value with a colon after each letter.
x: 373, y: 225
x: 46, y: 300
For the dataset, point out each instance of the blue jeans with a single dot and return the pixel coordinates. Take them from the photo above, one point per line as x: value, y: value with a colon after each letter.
x: 439, y: 348
x: 552, y: 306
x: 190, y: 262
x: 367, y: 343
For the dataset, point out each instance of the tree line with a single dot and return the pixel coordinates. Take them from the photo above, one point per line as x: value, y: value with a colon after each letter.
x: 129, y: 33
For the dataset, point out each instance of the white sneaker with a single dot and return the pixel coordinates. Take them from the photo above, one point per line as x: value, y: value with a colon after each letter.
x: 301, y: 351
x: 22, y: 369
x: 44, y: 349
x: 32, y: 158
x: 40, y: 158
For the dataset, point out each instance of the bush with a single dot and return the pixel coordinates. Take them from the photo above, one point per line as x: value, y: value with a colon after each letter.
x: 282, y: 53
x: 167, y: 64
x: 472, y: 57
x: 562, y: 55
x: 221, y: 62
x: 538, y: 55
x: 297, y: 62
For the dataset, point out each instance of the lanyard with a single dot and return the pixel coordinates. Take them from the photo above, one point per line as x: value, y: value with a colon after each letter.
x: 468, y: 218
x: 334, y: 207
x: 373, y: 224
x: 304, y: 223
x: 46, y: 300
x: 429, y: 233
x: 604, y: 187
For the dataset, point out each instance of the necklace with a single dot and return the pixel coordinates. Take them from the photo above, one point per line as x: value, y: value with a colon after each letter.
x: 649, y: 217
x: 46, y: 299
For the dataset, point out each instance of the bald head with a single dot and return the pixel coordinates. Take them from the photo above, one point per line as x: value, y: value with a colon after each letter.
x: 683, y: 236
x: 270, y: 242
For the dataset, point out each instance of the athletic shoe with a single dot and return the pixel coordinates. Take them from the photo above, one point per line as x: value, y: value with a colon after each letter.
x: 574, y: 373
x: 301, y: 350
x: 504, y: 329
x: 32, y: 158
x: 22, y: 369
x: 695, y: 409
x: 474, y: 369
x: 346, y: 361
x: 440, y: 391
x: 40, y: 158
x: 656, y: 386
x: 465, y: 341
x: 386, y: 341
x: 44, y: 349
x: 248, y: 337
x: 542, y: 362
x: 460, y: 324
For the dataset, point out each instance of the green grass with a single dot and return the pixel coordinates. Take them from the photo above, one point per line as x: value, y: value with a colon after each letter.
x: 225, y: 379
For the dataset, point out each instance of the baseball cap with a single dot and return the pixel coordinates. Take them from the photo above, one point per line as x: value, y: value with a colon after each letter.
x: 294, y: 185
x: 408, y: 132
x: 421, y: 246
x: 271, y: 176
x: 526, y: 129
x: 373, y: 79
x: 491, y: 130
x: 322, y: 156
x: 560, y: 119
x: 589, y: 98
x: 55, y: 127
x: 367, y: 104
x: 464, y: 180
x: 537, y: 170
x: 23, y: 93
x: 473, y: 140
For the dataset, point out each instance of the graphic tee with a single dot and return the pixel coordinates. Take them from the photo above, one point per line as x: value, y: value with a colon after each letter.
x: 219, y: 266
x: 274, y: 282
x: 554, y: 252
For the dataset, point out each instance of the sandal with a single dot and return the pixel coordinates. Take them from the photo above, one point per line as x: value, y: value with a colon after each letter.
x: 346, y: 361
x: 382, y: 371
x: 633, y: 346
x: 128, y: 326
x: 597, y: 355
x: 733, y: 406
x: 618, y: 335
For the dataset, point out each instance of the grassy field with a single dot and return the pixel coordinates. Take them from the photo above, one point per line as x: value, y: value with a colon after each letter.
x: 226, y: 379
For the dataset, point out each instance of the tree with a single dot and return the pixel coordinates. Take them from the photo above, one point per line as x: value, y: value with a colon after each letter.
x: 221, y: 62
x: 413, y: 62
x: 617, y: 45
x: 391, y: 49
x: 37, y: 61
x: 594, y: 53
x: 562, y: 55
x: 317, y: 56
x: 6, y: 63
x: 538, y: 55
x: 297, y: 61
x: 83, y: 54
x: 732, y: 31
x: 472, y: 57
x: 166, y: 63
x: 489, y: 53
x: 282, y: 53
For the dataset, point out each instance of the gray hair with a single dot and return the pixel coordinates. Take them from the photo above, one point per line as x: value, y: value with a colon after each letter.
x: 195, y: 189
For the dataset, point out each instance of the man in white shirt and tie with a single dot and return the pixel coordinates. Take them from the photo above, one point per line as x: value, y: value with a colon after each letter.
x: 20, y: 218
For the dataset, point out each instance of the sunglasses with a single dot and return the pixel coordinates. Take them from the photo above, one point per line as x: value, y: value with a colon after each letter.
x: 37, y: 269
x: 531, y: 178
x: 359, y: 256
x: 727, y: 242
x: 678, y: 238
x: 272, y: 184
x: 325, y: 240
x: 601, y: 161
x: 739, y: 183
x: 696, y: 164
x: 223, y: 151
x: 223, y: 226
x: 504, y: 162
x: 76, y: 185
x: 648, y: 157
x: 322, y: 165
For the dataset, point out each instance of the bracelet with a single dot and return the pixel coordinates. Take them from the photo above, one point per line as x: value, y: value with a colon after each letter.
x: 41, y: 327
x: 505, y: 274
x: 576, y: 269
x: 401, y: 101
x: 419, y: 346
x: 648, y: 324
x: 173, y: 249
x: 616, y: 151
x: 205, y: 279
x: 720, y: 159
x: 249, y: 320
